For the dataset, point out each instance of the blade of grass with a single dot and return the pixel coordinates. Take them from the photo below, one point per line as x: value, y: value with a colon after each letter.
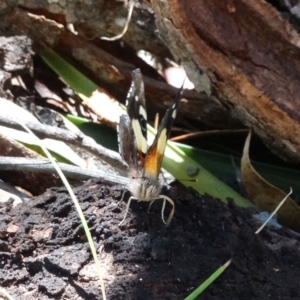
x: 208, y: 281
x: 78, y: 208
x: 274, y: 212
x: 5, y: 295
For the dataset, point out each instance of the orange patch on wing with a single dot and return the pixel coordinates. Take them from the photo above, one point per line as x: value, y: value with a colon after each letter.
x: 153, y: 162
x: 155, y: 155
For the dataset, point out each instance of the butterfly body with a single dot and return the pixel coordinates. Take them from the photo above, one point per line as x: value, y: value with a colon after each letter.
x: 144, y: 164
x: 144, y: 188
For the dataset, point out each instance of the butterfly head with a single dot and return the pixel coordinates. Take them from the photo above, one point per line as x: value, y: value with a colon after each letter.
x: 143, y: 188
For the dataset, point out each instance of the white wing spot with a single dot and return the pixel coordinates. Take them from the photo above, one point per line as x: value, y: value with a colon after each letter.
x: 140, y: 140
x: 136, y: 98
x: 174, y: 113
x: 162, y: 141
x: 143, y: 112
x: 131, y: 89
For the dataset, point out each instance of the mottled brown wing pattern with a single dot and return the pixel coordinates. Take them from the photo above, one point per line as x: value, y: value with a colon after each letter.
x: 127, y: 146
x: 136, y: 109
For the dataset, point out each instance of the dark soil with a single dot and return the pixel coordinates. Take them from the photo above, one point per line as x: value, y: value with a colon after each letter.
x: 44, y: 253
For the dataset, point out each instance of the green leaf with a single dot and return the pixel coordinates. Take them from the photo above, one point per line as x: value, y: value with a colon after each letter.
x: 227, y: 167
x: 175, y: 161
x: 76, y: 80
x: 184, y: 168
x: 102, y: 134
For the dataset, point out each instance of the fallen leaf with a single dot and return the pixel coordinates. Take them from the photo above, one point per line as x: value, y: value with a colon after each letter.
x: 266, y: 196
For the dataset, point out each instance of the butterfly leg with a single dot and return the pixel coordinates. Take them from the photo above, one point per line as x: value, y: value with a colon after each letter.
x: 162, y: 211
x: 151, y: 205
x: 122, y: 198
x: 127, y: 208
x: 165, y: 198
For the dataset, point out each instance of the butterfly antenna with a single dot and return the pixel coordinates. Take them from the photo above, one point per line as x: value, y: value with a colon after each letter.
x: 182, y: 87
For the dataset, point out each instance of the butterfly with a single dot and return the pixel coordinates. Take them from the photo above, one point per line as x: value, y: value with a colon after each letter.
x: 144, y: 163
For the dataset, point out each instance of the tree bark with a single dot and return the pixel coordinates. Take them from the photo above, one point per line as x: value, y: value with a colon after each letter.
x: 242, y: 56
x: 251, y: 57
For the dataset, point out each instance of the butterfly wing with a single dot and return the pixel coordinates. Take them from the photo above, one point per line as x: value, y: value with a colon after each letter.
x: 127, y: 146
x: 136, y: 109
x: 156, y: 152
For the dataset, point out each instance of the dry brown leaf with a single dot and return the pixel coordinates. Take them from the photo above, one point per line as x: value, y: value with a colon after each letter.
x: 265, y: 195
